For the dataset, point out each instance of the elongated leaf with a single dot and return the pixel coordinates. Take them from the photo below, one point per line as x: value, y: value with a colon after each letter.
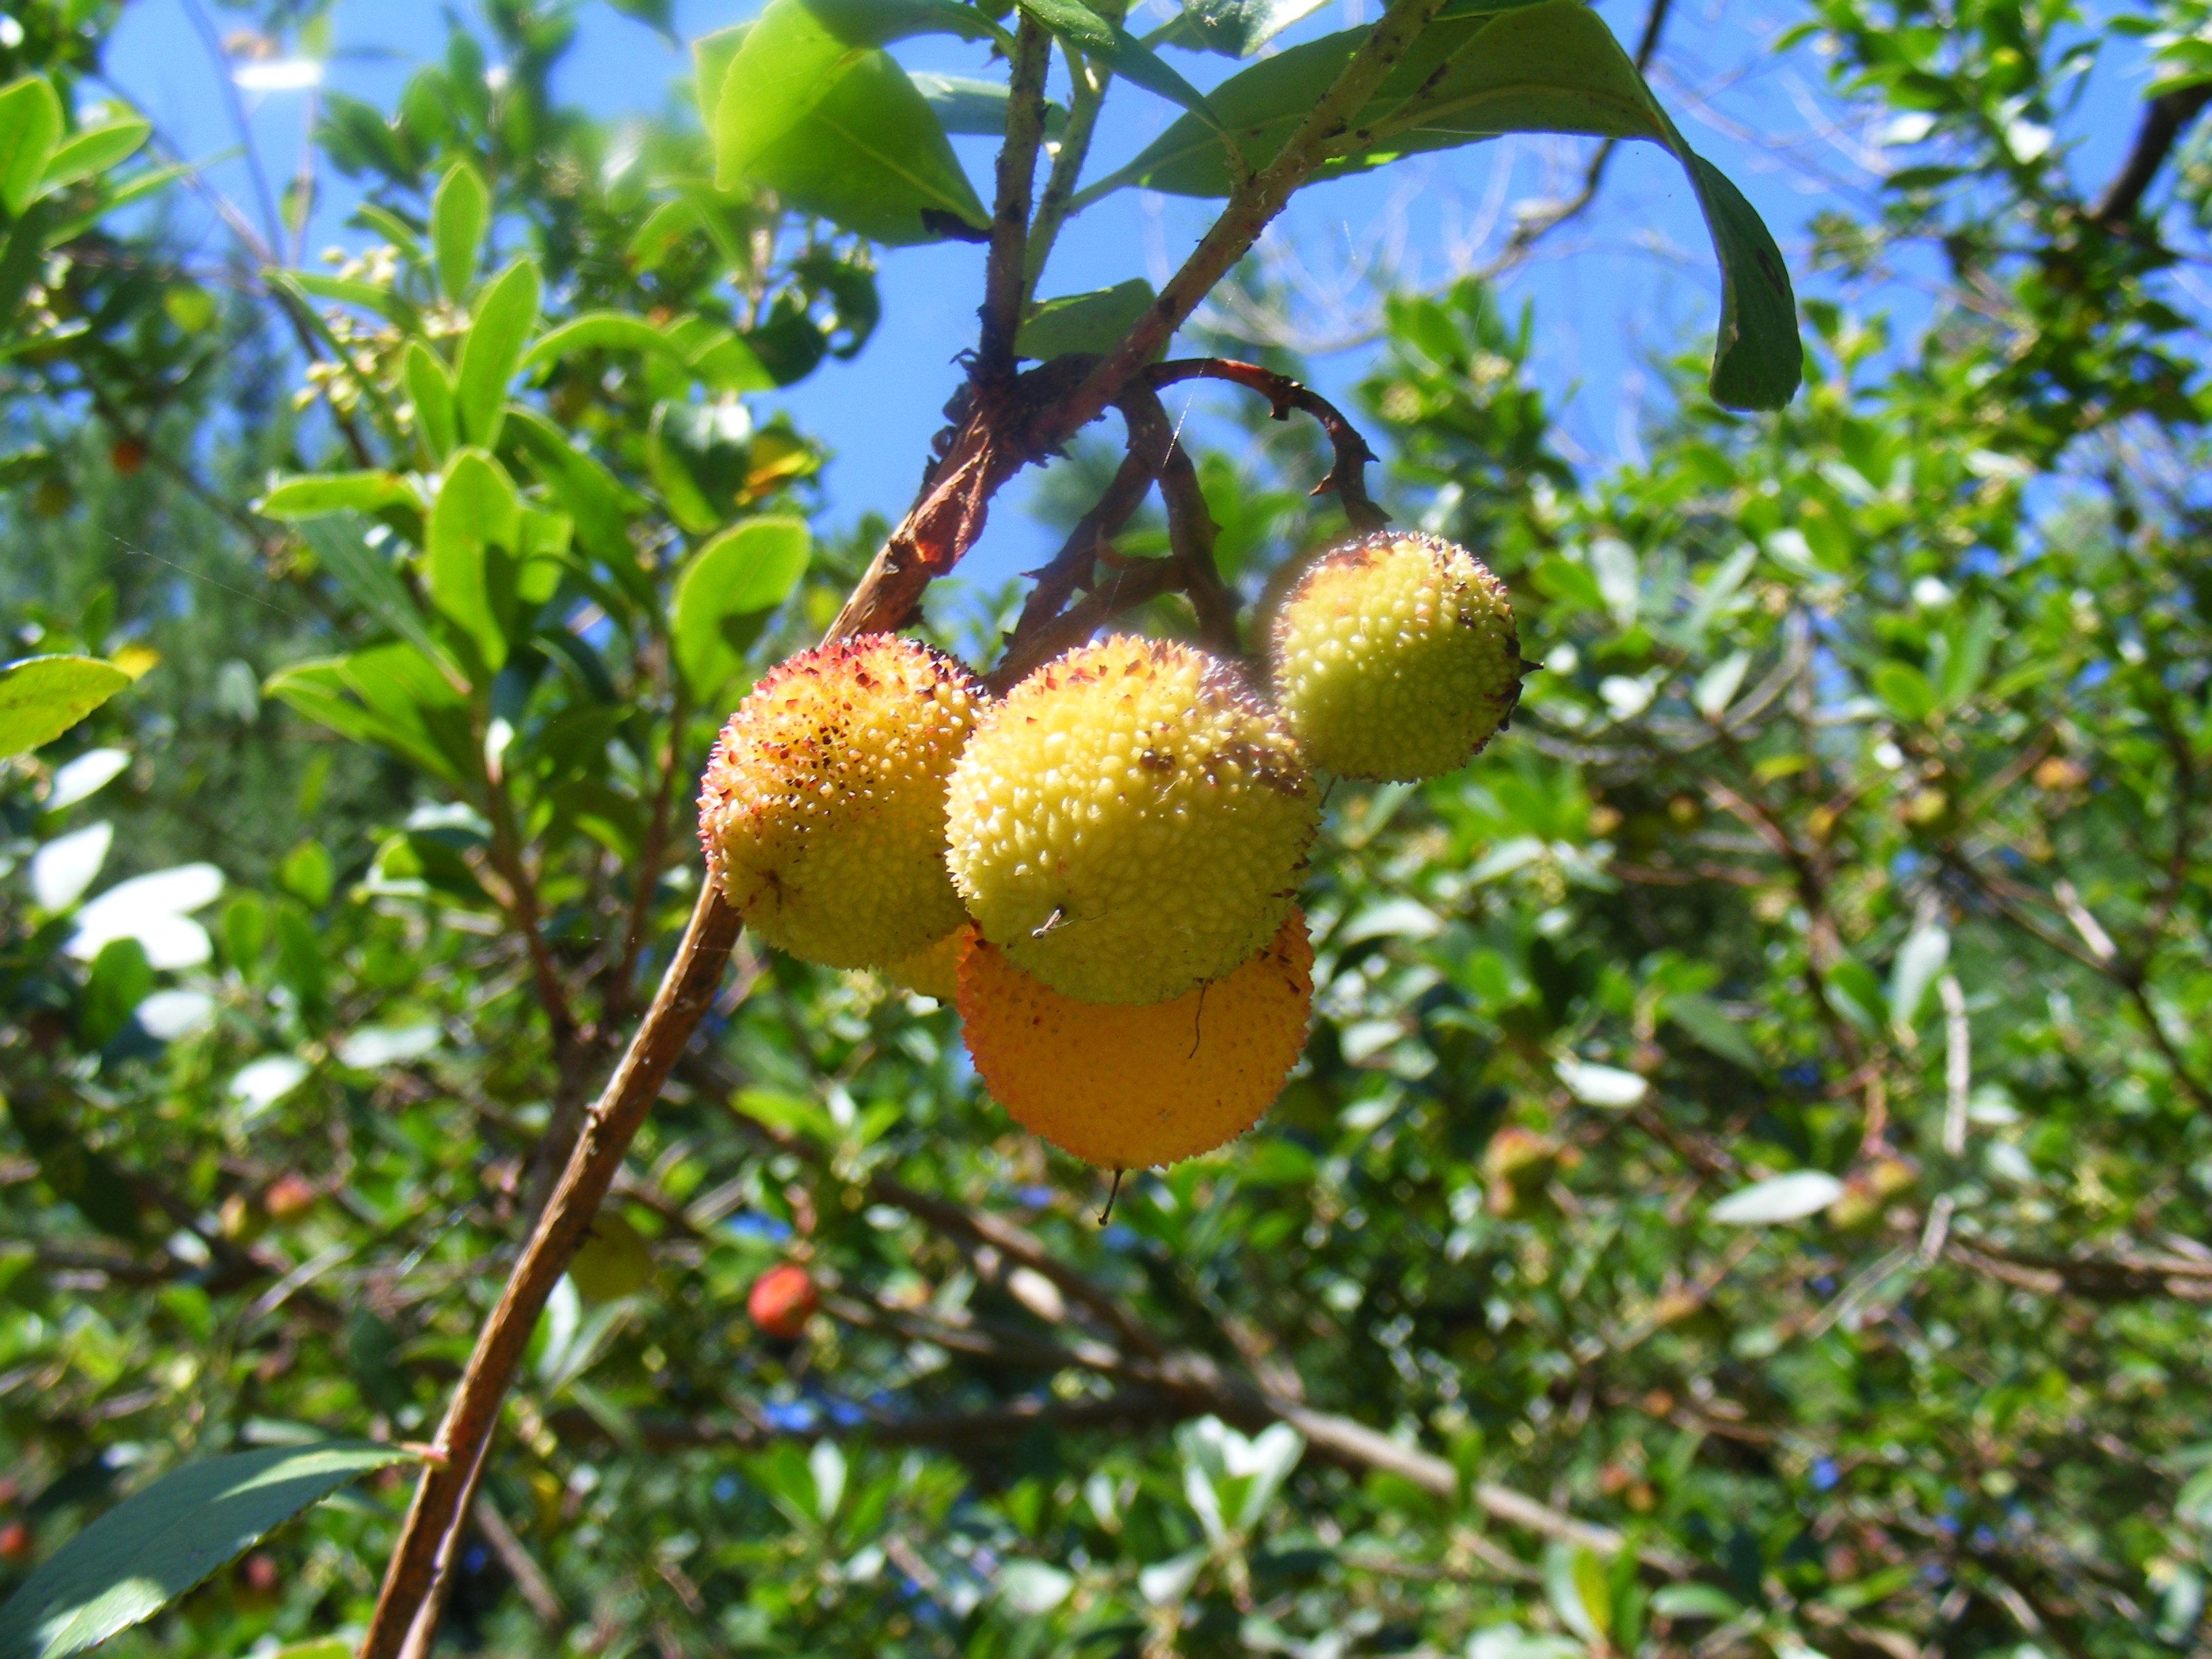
x: 41, y: 698
x: 30, y: 127
x: 1083, y: 322
x: 313, y: 494
x: 1237, y: 28
x: 964, y: 105
x: 1073, y: 21
x: 341, y: 548
x: 726, y: 593
x: 154, y: 1545
x: 475, y: 527
x: 94, y: 151
x: 790, y: 60
x: 1552, y: 67
x: 504, y: 317
x: 458, y: 216
x: 599, y: 331
x: 317, y: 690
x: 430, y: 388
x: 591, y: 495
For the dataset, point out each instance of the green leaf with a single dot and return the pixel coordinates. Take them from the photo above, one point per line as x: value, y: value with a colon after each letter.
x: 475, y: 527
x: 1083, y: 322
x: 30, y: 127
x: 311, y: 495
x: 964, y: 105
x: 156, y: 1545
x: 1574, y: 1580
x: 1711, y: 1029
x: 365, y: 574
x: 866, y: 151
x: 430, y: 388
x: 591, y: 495
x: 1757, y: 362
x: 698, y: 457
x: 1237, y: 28
x: 871, y: 157
x: 458, y: 215
x: 1553, y: 67
x: 1075, y: 23
x: 787, y: 64
x: 599, y: 331
x: 725, y: 594
x: 1694, y: 1602
x: 94, y: 151
x: 41, y: 698
x: 504, y: 317
x: 1905, y: 689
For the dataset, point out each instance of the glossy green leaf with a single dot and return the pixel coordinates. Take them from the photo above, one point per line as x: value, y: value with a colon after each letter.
x: 726, y: 593
x: 157, y: 1544
x: 699, y: 457
x: 430, y: 389
x: 1083, y: 322
x: 458, y: 215
x: 475, y: 526
x: 497, y: 334
x: 30, y: 127
x: 94, y: 151
x: 789, y: 61
x: 313, y: 495
x: 866, y: 153
x: 1553, y: 67
x: 41, y: 698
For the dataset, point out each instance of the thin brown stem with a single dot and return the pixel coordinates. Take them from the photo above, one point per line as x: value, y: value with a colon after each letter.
x: 686, y: 991
x: 1005, y: 274
x: 1090, y: 81
x: 1347, y: 475
x: 1191, y: 534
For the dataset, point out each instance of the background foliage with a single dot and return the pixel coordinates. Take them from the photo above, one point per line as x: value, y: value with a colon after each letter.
x: 1746, y: 1190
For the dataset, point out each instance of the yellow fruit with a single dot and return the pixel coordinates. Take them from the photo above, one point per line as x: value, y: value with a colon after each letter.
x: 1395, y: 656
x: 932, y: 971
x: 823, y: 811
x: 1129, y: 822
x: 1124, y: 1087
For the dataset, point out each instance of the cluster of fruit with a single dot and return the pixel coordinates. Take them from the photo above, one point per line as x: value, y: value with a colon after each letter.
x: 1101, y: 868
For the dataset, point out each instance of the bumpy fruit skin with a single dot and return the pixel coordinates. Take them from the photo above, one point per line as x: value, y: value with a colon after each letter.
x: 1395, y: 657
x: 823, y: 811
x: 1126, y: 1088
x: 1129, y: 822
x: 932, y: 971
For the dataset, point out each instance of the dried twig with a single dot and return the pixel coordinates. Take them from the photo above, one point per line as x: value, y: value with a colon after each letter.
x: 1347, y: 476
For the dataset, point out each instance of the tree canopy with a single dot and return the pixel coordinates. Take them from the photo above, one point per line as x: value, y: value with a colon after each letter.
x: 1744, y: 1190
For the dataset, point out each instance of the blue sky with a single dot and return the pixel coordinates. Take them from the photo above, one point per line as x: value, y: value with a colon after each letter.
x: 1631, y: 279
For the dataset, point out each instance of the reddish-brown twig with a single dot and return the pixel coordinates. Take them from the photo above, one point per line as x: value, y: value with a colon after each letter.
x: 1347, y: 476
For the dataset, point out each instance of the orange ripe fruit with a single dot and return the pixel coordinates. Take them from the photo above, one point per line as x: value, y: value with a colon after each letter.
x: 127, y: 456
x: 782, y: 1301
x: 1127, y: 1087
x: 16, y: 1541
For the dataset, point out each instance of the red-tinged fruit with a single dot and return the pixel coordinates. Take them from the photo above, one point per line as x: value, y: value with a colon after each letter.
x: 16, y: 1541
x: 782, y: 1301
x: 823, y: 811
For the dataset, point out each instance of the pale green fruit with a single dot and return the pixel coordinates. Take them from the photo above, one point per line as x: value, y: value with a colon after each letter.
x: 1395, y: 657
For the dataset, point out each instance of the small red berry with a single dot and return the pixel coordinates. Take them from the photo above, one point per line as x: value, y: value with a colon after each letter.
x: 16, y: 1541
x: 782, y: 1301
